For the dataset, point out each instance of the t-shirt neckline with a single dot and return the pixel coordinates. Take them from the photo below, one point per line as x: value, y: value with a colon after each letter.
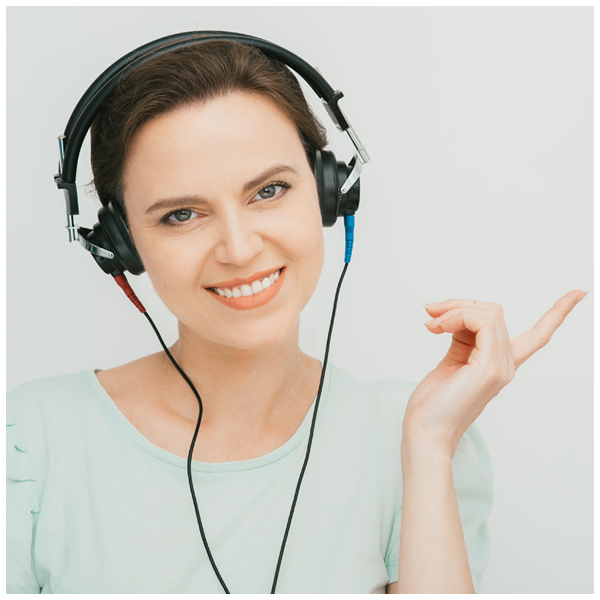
x: 222, y: 467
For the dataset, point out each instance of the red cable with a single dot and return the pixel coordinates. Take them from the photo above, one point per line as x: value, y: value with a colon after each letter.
x: 124, y: 285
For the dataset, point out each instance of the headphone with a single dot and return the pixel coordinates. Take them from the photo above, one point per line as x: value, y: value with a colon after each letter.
x: 109, y: 241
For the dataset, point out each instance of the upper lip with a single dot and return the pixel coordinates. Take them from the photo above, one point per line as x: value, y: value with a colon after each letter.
x: 244, y: 280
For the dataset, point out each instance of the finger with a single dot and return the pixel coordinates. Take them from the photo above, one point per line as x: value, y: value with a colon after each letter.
x: 439, y: 308
x: 463, y: 323
x: 464, y: 341
x: 505, y: 355
x: 527, y: 344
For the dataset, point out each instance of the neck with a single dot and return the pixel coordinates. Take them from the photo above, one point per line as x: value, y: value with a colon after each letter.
x: 244, y: 390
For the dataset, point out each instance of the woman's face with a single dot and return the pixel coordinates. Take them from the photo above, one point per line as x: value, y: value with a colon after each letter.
x: 219, y: 197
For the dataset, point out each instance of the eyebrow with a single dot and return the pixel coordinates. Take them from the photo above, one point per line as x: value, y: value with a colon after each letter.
x: 173, y: 203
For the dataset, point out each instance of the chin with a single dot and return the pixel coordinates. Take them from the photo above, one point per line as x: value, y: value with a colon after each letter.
x: 259, y: 335
x: 247, y: 334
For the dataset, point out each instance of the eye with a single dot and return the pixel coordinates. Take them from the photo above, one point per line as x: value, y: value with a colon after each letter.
x: 270, y: 191
x: 180, y: 216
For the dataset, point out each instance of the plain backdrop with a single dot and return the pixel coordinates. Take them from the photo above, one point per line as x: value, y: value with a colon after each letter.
x: 479, y: 122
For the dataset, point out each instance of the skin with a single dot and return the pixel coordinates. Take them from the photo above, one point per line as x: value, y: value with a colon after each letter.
x: 255, y: 383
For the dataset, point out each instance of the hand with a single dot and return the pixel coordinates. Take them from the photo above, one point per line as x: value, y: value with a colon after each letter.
x: 480, y: 362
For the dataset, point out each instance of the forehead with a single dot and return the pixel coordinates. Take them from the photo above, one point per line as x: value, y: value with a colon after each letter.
x: 228, y: 138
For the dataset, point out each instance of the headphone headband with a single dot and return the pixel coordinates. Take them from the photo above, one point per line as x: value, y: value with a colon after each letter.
x: 180, y: 40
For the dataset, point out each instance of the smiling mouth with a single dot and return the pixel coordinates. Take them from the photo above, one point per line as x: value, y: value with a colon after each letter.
x: 250, y: 289
x: 252, y: 294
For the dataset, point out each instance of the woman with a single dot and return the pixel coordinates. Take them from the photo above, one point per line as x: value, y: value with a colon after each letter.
x: 208, y: 153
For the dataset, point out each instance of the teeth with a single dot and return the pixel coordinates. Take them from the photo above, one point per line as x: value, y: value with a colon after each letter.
x: 256, y: 287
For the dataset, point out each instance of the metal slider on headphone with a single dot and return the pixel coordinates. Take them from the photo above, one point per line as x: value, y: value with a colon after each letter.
x: 361, y: 157
x: 92, y: 247
x: 341, y: 122
x: 71, y: 227
x: 74, y: 231
x: 354, y: 175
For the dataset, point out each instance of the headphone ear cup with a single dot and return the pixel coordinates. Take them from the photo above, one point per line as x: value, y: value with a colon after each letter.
x: 113, y: 226
x: 325, y: 169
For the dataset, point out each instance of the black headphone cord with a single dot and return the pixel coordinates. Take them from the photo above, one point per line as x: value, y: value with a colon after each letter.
x: 122, y: 282
x: 312, y: 427
x: 189, y: 459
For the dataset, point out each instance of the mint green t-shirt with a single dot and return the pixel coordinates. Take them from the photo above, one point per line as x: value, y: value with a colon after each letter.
x: 94, y: 507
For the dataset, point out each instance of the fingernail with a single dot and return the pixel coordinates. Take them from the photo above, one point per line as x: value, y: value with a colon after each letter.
x: 582, y: 296
x: 430, y: 304
x: 428, y: 322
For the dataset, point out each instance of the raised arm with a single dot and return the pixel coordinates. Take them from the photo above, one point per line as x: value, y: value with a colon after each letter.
x: 480, y: 362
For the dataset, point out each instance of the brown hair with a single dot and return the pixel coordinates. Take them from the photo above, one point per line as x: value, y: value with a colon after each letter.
x: 190, y: 75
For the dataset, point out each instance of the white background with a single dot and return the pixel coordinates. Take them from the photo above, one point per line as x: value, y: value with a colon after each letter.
x: 479, y: 122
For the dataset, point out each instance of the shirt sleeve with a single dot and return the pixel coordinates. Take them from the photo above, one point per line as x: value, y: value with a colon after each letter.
x: 22, y: 509
x: 473, y: 476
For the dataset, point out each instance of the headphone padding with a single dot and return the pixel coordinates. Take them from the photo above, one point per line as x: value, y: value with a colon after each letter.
x: 326, y: 174
x: 113, y: 225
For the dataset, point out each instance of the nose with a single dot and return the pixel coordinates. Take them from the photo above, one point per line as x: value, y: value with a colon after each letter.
x: 239, y: 240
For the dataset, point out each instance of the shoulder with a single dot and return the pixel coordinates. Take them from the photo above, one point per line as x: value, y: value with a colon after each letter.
x: 79, y: 391
x: 54, y: 390
x: 48, y: 421
x: 51, y: 404
x: 378, y: 397
x: 372, y: 411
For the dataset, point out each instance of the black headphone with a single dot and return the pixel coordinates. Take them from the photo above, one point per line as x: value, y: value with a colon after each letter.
x: 110, y: 241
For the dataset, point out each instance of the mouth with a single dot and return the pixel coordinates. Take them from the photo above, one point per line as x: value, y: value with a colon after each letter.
x: 252, y: 294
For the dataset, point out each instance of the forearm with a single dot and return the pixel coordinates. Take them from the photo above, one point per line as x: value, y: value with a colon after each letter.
x: 433, y: 555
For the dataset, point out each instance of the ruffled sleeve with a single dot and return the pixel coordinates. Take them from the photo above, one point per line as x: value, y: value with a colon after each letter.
x: 22, y: 510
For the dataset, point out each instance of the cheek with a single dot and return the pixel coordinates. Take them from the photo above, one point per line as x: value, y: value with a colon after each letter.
x: 169, y: 265
x: 310, y: 250
x: 175, y: 279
